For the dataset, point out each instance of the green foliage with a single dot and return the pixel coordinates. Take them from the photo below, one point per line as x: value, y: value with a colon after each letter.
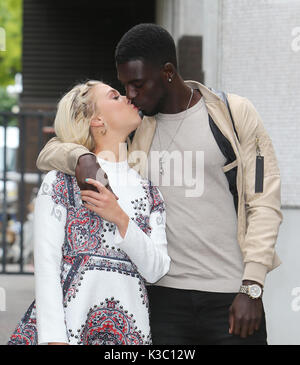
x: 6, y: 103
x: 11, y: 22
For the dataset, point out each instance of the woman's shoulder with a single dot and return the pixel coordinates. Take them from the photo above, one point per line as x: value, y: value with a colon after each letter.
x: 56, y: 183
x: 56, y: 175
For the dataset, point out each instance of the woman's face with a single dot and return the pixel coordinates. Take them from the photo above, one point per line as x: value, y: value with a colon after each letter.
x: 115, y: 110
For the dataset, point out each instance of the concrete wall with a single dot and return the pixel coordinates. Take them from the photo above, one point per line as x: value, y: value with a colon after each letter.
x: 252, y: 48
x: 194, y: 17
x: 257, y: 59
x: 282, y: 287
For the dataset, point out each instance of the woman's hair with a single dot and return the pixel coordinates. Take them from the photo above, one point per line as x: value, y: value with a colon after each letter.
x: 147, y: 42
x: 74, y: 113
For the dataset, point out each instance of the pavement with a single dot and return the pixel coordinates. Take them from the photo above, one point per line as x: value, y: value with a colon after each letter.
x: 16, y: 294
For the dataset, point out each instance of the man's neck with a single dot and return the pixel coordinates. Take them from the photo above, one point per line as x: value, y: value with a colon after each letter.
x: 178, y: 98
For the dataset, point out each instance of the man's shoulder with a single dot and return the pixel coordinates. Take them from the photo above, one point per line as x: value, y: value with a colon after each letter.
x: 240, y: 103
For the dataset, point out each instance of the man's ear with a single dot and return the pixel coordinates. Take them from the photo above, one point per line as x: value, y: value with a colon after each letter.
x: 169, y: 71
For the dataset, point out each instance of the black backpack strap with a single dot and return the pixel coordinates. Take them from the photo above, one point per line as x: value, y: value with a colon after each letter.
x: 223, y: 97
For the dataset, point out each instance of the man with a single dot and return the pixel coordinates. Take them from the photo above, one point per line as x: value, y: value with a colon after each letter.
x: 221, y: 238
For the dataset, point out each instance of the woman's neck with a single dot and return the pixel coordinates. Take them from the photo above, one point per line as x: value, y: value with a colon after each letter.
x: 116, y: 152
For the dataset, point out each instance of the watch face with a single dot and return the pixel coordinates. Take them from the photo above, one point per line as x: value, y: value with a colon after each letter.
x: 255, y: 291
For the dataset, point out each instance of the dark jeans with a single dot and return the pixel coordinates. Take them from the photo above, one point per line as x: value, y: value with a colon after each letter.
x: 190, y: 317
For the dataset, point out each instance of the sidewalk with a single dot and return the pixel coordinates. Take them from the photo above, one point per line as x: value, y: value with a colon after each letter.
x: 19, y: 292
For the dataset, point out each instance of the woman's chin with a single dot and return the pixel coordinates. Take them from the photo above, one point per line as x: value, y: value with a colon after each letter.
x: 138, y: 120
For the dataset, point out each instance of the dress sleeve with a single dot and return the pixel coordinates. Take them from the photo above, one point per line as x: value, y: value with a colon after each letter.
x: 148, y: 252
x: 60, y: 156
x: 49, y: 222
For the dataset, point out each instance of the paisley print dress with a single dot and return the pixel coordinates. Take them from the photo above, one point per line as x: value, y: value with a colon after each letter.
x: 91, y: 282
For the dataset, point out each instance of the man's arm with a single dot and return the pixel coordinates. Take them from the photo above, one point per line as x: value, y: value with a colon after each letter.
x: 263, y: 214
x: 263, y: 208
x: 60, y: 156
x: 72, y: 159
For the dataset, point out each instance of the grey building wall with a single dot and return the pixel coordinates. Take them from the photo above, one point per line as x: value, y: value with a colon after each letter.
x: 257, y: 61
x: 252, y: 48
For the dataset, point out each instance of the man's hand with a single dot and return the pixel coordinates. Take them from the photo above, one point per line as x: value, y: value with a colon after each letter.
x: 105, y: 205
x: 245, y: 314
x: 88, y: 167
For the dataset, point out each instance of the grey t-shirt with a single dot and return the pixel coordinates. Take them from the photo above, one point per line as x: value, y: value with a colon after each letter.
x: 201, y: 218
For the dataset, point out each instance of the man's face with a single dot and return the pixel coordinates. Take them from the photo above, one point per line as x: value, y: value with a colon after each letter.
x: 143, y: 84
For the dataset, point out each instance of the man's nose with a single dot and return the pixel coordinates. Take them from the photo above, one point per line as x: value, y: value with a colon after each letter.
x: 131, y: 92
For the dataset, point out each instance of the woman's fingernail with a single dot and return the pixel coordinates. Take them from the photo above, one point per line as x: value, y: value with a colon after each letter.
x: 86, y: 180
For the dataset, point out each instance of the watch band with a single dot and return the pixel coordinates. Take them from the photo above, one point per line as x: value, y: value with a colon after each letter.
x: 244, y: 289
x: 254, y: 288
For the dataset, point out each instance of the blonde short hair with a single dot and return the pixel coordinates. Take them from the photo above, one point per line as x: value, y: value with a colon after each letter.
x: 74, y: 113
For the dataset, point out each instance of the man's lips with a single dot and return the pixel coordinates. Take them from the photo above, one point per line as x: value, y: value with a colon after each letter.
x: 141, y: 114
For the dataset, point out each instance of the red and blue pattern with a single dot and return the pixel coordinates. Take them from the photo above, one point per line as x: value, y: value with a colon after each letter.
x: 84, y: 249
x: 26, y: 331
x: 109, y: 324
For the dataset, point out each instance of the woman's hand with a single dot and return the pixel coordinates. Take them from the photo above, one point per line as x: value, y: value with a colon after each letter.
x: 105, y: 205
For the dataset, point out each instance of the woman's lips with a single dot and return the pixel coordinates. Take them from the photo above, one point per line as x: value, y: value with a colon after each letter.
x: 138, y: 110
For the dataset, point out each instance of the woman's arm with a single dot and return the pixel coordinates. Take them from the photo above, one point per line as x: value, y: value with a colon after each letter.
x: 49, y: 231
x: 149, y: 253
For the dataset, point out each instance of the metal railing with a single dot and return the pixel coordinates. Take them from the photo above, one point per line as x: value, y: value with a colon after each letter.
x: 15, y: 180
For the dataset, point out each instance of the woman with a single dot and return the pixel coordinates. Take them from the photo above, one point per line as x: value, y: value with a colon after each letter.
x: 93, y: 252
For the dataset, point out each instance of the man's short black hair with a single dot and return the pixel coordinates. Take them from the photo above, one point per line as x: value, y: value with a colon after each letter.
x: 147, y: 42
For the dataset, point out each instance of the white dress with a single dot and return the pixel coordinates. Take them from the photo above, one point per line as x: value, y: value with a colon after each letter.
x: 90, y: 282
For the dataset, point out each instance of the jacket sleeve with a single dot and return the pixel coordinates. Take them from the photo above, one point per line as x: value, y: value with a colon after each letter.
x: 263, y: 214
x: 148, y: 253
x: 49, y: 222
x: 57, y: 155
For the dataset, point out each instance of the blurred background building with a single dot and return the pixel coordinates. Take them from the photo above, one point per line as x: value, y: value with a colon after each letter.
x: 251, y: 48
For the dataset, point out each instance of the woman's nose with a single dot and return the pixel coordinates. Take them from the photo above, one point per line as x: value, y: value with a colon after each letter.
x: 126, y: 100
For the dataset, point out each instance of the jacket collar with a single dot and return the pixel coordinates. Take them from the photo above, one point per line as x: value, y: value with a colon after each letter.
x: 209, y: 95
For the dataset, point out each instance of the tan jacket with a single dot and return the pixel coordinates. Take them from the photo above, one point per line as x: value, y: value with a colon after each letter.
x: 259, y: 215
